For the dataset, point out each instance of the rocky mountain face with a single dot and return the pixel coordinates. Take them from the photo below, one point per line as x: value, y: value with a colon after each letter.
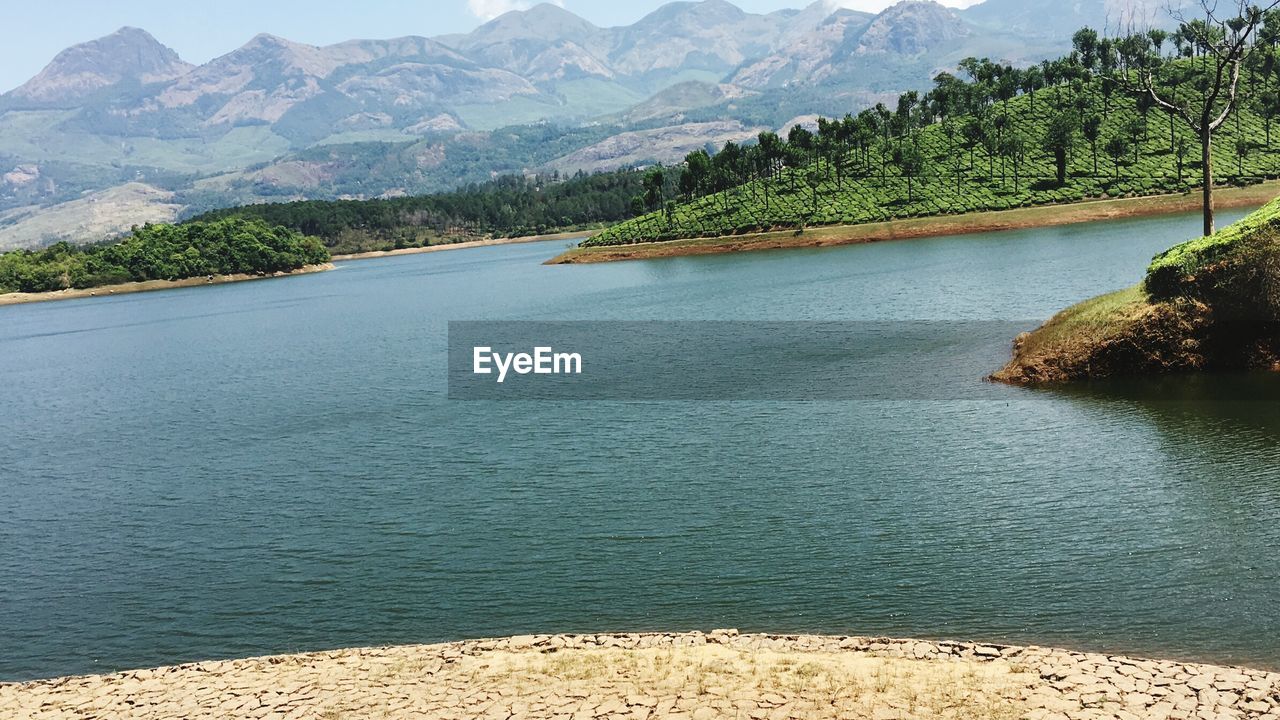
x: 911, y: 29
x: 127, y: 56
x: 126, y: 109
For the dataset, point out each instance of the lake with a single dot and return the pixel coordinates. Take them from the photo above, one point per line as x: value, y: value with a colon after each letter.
x: 274, y: 466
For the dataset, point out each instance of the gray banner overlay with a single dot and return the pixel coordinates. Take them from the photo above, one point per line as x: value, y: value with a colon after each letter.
x: 728, y: 360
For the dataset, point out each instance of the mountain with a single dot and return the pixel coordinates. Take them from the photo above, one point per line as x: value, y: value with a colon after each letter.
x: 276, y: 118
x: 911, y: 28
x: 308, y: 92
x: 128, y: 56
x: 687, y: 38
x: 543, y: 43
x: 808, y: 58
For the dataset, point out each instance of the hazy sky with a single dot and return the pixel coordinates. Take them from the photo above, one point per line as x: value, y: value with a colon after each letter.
x: 35, y: 30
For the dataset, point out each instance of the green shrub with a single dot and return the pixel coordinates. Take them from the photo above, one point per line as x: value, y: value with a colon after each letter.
x: 1172, y: 272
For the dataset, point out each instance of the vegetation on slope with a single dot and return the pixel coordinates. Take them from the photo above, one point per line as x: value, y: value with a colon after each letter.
x: 163, y: 252
x: 1062, y: 131
x: 1212, y: 303
x: 507, y: 207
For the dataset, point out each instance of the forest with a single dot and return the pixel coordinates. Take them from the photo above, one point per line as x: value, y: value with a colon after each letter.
x: 1116, y: 117
x: 163, y: 252
x: 508, y: 206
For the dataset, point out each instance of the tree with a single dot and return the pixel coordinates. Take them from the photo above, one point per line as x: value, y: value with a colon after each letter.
x: 1219, y: 47
x: 1059, y: 138
x: 1267, y: 104
x: 1136, y: 129
x: 1242, y: 151
x: 801, y: 137
x: 957, y: 158
x: 813, y: 180
x: 1000, y: 123
x: 654, y: 180
x: 972, y: 133
x: 696, y: 173
x: 770, y: 155
x: 1117, y: 148
x: 1180, y: 152
x: 1092, y: 129
x: 1014, y: 147
x: 793, y: 159
x: 910, y: 161
x: 990, y: 143
x: 1085, y: 42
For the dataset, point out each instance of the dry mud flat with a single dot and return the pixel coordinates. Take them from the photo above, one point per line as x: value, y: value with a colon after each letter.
x: 690, y: 676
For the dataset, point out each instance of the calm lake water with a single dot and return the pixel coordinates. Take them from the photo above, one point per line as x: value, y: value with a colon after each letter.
x: 271, y: 467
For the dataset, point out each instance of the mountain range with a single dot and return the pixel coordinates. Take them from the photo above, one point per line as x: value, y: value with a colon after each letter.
x: 530, y: 91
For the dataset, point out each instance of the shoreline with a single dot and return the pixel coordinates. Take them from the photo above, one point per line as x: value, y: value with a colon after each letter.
x: 691, y: 676
x: 487, y: 242
x: 20, y: 298
x: 931, y: 226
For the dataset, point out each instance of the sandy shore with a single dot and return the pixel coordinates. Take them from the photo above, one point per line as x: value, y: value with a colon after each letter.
x: 463, y: 245
x: 1030, y: 217
x: 150, y: 285
x: 689, y: 676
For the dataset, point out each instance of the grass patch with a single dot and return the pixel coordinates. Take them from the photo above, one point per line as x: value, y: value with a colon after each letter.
x: 1092, y: 321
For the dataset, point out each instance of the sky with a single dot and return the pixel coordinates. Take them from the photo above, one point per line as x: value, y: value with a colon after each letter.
x: 34, y: 31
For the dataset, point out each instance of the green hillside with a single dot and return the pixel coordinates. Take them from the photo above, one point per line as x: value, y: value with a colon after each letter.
x: 926, y: 159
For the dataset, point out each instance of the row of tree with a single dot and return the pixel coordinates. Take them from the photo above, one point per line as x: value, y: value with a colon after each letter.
x: 506, y: 206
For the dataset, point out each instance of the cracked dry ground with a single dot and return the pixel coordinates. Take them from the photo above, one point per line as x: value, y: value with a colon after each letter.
x: 691, y: 676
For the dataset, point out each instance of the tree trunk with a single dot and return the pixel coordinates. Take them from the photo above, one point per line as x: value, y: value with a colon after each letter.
x: 1206, y: 167
x: 1060, y: 158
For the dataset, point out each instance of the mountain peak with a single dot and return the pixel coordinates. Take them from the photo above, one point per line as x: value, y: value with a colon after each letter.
x: 267, y: 40
x: 543, y: 22
x: 700, y: 11
x: 911, y: 27
x: 129, y: 54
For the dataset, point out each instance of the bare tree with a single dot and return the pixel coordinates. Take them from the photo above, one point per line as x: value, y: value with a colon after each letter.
x: 1200, y: 88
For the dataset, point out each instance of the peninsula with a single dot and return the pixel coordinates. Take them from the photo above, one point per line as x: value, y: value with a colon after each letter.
x: 1212, y: 303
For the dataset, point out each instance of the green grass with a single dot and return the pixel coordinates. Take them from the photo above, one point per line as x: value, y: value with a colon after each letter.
x: 1094, y: 319
x: 589, y: 97
x: 877, y: 195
